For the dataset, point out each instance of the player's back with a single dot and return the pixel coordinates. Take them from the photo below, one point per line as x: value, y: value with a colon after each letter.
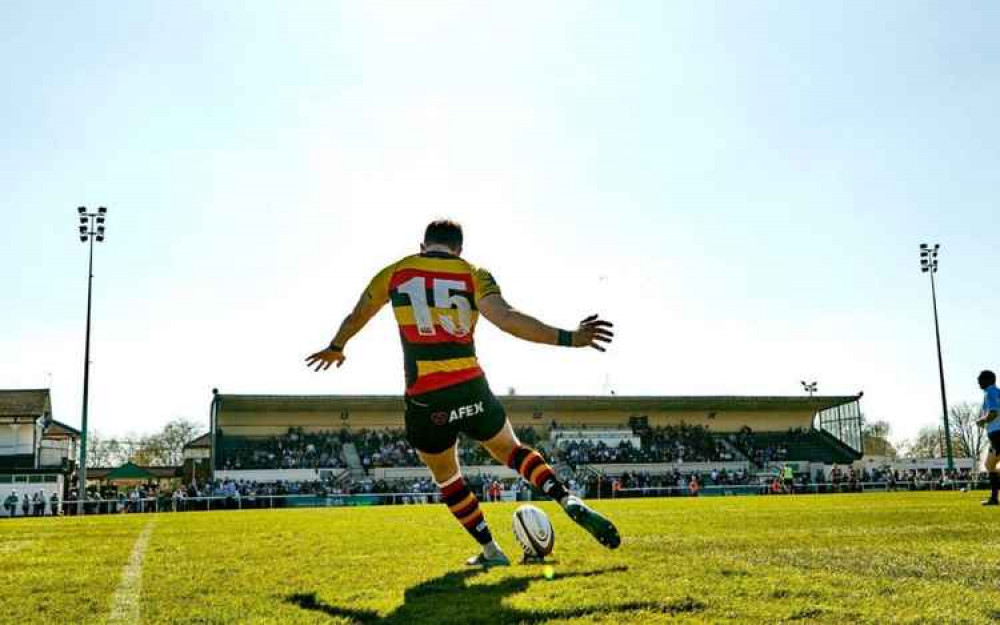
x: 434, y: 297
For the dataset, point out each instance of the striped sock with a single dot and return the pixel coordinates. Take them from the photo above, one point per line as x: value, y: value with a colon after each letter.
x: 532, y: 467
x: 464, y: 505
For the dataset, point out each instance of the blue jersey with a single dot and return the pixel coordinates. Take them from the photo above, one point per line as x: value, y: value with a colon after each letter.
x: 991, y: 402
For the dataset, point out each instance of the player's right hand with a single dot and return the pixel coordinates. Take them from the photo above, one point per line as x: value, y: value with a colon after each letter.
x: 592, y: 332
x: 322, y: 360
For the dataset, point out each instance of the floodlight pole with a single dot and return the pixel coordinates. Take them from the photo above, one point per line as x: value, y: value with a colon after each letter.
x: 82, y: 469
x: 88, y: 232
x: 944, y: 399
x: 929, y: 264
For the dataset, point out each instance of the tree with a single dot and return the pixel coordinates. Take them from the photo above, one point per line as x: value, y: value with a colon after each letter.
x: 875, y: 439
x: 968, y: 438
x: 927, y: 444
x: 102, y: 452
x: 166, y: 447
x: 161, y: 449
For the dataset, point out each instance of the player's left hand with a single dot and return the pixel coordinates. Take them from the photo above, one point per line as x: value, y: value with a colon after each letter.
x: 322, y: 360
x: 592, y: 332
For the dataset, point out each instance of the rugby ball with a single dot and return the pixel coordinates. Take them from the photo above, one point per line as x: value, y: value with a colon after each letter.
x: 533, y: 531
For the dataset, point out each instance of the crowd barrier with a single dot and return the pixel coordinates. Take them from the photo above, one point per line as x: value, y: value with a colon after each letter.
x: 152, y: 505
x: 812, y: 488
x: 223, y: 502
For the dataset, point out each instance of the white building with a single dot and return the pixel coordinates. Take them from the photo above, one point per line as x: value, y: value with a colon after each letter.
x: 36, y: 451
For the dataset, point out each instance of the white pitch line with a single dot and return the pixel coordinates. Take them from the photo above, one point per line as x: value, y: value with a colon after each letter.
x: 125, y: 605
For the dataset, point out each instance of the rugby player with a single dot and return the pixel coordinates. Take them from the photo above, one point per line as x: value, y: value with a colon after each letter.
x: 437, y: 297
x: 991, y: 406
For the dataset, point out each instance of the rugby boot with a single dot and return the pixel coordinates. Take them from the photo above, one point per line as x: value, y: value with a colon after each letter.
x: 491, y: 555
x: 593, y: 521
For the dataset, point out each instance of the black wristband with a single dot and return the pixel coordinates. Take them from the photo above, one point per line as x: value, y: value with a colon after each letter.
x: 565, y: 338
x: 335, y: 347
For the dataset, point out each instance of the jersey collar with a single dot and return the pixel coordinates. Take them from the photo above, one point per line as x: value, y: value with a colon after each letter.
x: 437, y: 254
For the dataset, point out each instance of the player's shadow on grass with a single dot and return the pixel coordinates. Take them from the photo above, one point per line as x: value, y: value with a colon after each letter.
x: 450, y: 599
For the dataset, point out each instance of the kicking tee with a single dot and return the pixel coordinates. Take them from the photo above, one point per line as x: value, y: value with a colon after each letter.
x: 435, y: 298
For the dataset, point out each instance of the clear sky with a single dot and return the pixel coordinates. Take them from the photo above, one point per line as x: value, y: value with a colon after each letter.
x: 741, y: 187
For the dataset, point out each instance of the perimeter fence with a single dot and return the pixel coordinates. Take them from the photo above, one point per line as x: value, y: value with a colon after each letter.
x: 154, y: 505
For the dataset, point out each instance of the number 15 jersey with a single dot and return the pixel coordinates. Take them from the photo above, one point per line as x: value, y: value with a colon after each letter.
x: 435, y: 299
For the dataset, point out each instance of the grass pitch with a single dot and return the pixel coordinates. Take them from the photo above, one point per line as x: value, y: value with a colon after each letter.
x: 900, y: 557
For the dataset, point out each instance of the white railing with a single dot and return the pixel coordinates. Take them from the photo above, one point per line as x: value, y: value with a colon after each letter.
x: 804, y: 489
x: 151, y: 505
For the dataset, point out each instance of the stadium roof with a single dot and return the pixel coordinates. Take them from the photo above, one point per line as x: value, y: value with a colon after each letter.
x: 634, y: 403
x: 25, y: 402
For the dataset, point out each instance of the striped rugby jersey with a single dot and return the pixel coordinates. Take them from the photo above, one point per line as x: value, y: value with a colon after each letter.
x: 435, y: 299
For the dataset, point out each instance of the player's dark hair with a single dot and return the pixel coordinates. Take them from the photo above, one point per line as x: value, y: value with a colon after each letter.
x: 988, y: 377
x: 444, y: 232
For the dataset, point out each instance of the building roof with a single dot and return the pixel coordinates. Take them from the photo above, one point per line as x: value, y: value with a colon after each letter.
x: 622, y: 403
x: 25, y: 403
x: 58, y: 429
x: 205, y: 440
x: 128, y: 471
x: 131, y: 471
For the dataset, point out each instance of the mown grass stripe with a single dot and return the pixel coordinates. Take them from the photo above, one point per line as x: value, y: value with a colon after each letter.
x: 125, y: 604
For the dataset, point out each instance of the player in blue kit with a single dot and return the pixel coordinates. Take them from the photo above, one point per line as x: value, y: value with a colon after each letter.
x: 991, y: 409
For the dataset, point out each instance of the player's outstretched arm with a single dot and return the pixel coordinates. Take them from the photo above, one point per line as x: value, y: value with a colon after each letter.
x: 592, y: 332
x: 364, y: 310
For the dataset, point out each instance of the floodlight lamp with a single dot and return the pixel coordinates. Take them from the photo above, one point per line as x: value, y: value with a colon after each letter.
x: 100, y: 238
x: 937, y: 246
x: 83, y: 229
x: 81, y: 209
x: 924, y: 269
x: 100, y: 229
x: 923, y: 246
x: 102, y: 210
x: 100, y: 220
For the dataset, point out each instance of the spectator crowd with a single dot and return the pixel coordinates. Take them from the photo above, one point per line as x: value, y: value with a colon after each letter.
x: 296, y: 449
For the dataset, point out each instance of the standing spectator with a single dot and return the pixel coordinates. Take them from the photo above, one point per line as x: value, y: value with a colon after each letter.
x: 788, y: 474
x: 693, y: 486
x: 10, y: 504
x: 54, y: 504
x: 38, y: 503
x: 178, y: 500
x: 25, y: 505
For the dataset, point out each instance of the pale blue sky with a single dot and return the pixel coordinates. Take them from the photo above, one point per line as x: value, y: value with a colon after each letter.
x: 741, y: 187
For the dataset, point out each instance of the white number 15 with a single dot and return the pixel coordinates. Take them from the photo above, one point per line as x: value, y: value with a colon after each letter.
x: 416, y: 289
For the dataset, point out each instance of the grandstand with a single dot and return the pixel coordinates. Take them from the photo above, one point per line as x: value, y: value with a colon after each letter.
x: 331, y: 437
